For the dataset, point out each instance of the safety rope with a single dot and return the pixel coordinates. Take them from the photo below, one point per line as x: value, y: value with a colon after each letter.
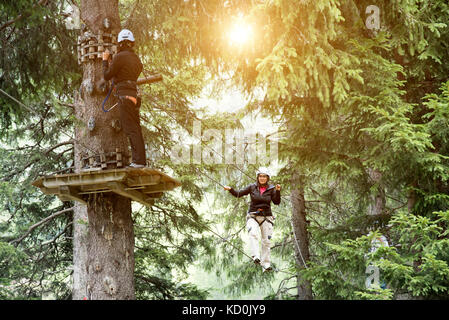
x: 226, y: 239
x: 233, y: 246
x: 242, y: 172
x: 211, y: 149
x: 18, y: 102
x: 106, y: 99
x: 218, y: 235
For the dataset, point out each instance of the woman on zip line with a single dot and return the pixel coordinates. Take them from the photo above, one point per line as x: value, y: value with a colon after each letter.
x: 259, y: 215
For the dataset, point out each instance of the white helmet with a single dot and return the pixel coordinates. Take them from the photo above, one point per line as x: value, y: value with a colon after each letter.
x: 263, y: 170
x: 125, y: 34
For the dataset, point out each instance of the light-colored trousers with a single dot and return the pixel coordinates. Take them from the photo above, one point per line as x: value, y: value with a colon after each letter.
x: 265, y: 230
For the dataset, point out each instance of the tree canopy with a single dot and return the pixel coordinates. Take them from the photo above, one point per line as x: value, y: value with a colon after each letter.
x: 361, y: 115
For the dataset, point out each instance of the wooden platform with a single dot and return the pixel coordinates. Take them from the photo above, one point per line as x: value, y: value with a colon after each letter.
x: 139, y: 184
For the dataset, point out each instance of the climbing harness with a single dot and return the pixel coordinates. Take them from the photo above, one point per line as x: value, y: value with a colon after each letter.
x: 226, y: 239
x: 236, y: 248
x: 250, y: 215
x: 136, y: 101
x: 260, y: 213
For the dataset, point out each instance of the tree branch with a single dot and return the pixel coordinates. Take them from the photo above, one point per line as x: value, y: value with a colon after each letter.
x: 34, y: 226
x: 45, y: 152
x: 57, y: 236
x: 22, y: 15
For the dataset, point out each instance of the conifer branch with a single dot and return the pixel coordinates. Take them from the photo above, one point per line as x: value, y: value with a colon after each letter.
x: 43, y: 221
x: 36, y: 159
x: 22, y: 15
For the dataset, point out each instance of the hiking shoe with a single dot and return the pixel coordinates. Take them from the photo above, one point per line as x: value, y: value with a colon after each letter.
x: 256, y: 260
x: 135, y: 165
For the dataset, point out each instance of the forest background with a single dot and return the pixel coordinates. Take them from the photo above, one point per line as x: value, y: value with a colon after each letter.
x: 360, y: 109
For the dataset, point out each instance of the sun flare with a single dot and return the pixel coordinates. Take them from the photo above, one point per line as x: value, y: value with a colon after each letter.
x: 240, y: 34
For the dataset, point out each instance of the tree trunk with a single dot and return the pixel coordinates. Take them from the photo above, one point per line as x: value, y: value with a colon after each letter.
x: 110, y: 259
x: 103, y: 233
x: 377, y: 205
x: 301, y: 236
x: 80, y: 232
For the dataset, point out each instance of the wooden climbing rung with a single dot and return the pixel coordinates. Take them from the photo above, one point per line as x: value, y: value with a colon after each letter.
x: 102, y: 160
x: 139, y: 184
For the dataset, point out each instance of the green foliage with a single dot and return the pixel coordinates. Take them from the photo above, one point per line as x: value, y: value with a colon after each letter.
x: 349, y: 102
x: 11, y: 262
x: 416, y: 262
x: 352, y: 101
x: 341, y: 273
x: 40, y: 70
x: 375, y: 293
x: 34, y: 48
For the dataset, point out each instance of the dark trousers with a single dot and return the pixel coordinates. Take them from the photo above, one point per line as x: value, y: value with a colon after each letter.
x: 129, y: 116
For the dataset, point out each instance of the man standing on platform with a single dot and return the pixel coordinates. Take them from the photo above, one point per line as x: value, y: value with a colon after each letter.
x: 124, y: 72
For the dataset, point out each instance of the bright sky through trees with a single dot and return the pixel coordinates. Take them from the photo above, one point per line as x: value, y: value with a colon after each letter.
x: 240, y: 33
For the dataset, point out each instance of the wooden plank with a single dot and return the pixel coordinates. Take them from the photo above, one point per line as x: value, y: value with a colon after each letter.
x: 150, y: 79
x: 139, y: 184
x: 93, y: 187
x: 104, y: 165
x: 144, y: 180
x: 94, y: 191
x: 119, y: 157
x: 49, y: 190
x: 85, y: 178
x: 164, y: 177
x: 102, y: 187
x: 135, y: 195
x: 67, y: 193
x: 164, y: 186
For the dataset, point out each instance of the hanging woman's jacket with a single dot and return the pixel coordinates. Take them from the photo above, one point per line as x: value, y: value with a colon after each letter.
x: 260, y: 203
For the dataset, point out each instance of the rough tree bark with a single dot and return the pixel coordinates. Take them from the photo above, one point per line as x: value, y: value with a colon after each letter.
x: 103, y: 232
x: 300, y: 235
x: 79, y: 287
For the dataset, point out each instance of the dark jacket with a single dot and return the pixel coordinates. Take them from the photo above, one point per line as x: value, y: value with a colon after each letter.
x: 259, y: 201
x: 125, y: 65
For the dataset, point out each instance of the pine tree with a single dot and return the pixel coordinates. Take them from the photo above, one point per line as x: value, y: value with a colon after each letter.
x: 41, y: 222
x: 358, y: 127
